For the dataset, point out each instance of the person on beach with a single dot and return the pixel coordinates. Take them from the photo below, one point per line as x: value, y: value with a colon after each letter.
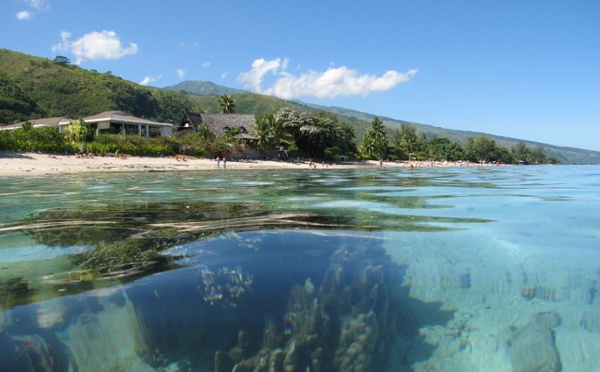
x: 218, y: 162
x: 224, y: 162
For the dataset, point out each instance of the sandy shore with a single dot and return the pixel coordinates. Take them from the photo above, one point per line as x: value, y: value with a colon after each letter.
x: 22, y: 164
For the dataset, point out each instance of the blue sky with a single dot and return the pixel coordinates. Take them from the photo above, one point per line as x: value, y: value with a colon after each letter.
x: 528, y: 69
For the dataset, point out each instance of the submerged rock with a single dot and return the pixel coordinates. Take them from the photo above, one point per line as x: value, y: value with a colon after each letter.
x: 533, y: 348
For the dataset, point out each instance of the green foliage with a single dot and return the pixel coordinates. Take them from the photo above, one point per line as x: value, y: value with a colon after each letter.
x: 79, y: 132
x: 106, y: 144
x: 62, y: 61
x: 15, y: 105
x: 443, y: 149
x: 29, y: 139
x: 75, y: 92
x: 374, y: 144
x: 271, y: 133
x: 319, y: 134
x: 407, y: 140
x: 226, y: 104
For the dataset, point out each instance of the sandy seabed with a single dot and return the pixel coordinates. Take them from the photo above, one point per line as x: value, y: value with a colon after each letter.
x: 23, y: 164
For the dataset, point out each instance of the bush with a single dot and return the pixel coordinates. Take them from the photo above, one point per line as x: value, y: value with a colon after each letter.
x: 29, y: 139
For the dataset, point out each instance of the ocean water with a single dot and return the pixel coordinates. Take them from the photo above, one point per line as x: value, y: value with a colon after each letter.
x: 431, y: 269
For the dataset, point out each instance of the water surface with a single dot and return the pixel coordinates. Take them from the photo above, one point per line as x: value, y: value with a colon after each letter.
x: 374, y: 269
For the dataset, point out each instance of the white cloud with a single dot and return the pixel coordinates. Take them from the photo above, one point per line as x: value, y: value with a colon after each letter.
x: 180, y: 73
x: 38, y: 5
x: 206, y: 64
x: 93, y: 46
x: 150, y: 79
x: 335, y: 81
x: 147, y: 80
x: 24, y: 15
x: 260, y: 67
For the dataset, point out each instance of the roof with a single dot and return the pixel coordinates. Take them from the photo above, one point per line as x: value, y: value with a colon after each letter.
x: 218, y: 124
x: 120, y: 117
x: 43, y: 122
x: 106, y: 116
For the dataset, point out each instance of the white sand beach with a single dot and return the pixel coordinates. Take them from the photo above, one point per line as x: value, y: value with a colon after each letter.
x: 22, y: 164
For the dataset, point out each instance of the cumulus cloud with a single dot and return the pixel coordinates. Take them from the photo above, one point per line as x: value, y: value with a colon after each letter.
x: 95, y: 45
x: 180, y: 73
x: 260, y: 67
x: 24, y: 15
x: 206, y: 64
x: 335, y: 81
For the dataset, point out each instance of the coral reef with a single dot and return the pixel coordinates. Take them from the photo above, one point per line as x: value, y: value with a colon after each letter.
x: 345, y: 324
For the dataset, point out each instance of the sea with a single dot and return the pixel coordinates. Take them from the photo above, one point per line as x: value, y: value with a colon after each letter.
x: 374, y: 269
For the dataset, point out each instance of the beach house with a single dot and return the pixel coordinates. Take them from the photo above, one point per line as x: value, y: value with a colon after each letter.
x: 112, y: 122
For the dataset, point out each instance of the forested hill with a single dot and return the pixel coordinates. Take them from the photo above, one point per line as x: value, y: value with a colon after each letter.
x: 33, y: 87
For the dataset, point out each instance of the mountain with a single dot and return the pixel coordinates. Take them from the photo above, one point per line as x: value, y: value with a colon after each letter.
x: 202, y: 88
x: 33, y: 87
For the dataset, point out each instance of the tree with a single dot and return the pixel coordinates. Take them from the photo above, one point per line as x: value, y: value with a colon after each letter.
x: 481, y: 148
x: 407, y: 140
x: 78, y: 133
x: 318, y: 134
x: 271, y: 133
x: 538, y: 155
x: 375, y: 141
x: 226, y: 104
x: 62, y: 60
x: 443, y: 149
x: 521, y: 152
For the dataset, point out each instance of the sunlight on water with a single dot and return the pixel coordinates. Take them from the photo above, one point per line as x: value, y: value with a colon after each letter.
x: 446, y: 269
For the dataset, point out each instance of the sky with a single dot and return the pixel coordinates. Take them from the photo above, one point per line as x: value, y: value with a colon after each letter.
x: 528, y: 69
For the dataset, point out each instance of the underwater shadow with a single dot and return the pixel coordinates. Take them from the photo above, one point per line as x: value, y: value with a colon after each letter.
x: 412, y: 315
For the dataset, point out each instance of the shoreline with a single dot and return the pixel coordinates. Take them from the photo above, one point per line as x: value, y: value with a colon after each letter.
x: 17, y: 164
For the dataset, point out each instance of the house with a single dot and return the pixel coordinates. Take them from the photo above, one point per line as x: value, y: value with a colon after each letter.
x: 59, y: 122
x: 112, y: 122
x: 218, y: 124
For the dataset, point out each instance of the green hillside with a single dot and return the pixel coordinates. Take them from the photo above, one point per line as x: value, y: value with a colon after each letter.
x: 202, y: 88
x: 33, y: 87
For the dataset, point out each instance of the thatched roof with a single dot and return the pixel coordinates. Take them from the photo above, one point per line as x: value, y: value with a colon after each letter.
x: 218, y: 124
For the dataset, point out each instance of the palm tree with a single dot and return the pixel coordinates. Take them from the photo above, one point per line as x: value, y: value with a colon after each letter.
x: 262, y: 132
x: 226, y: 104
x: 271, y: 132
x: 375, y: 141
x: 78, y: 132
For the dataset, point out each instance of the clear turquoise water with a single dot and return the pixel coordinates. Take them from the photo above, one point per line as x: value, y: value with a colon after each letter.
x: 472, y: 269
